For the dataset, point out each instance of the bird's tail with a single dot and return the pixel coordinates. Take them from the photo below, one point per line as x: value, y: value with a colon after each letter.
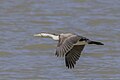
x: 95, y: 42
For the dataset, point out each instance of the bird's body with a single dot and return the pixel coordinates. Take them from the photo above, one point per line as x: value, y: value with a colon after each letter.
x: 69, y: 45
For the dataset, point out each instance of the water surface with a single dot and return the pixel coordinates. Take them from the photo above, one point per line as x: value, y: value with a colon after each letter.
x: 25, y: 57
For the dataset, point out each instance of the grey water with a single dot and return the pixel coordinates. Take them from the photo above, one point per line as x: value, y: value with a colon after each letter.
x: 25, y: 57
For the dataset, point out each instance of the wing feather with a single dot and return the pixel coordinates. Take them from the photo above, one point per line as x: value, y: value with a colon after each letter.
x: 73, y: 55
x: 66, y: 44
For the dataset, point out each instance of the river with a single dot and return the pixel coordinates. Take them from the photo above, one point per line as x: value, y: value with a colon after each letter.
x: 25, y: 57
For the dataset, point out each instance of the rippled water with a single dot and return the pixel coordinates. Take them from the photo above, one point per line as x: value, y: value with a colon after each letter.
x: 24, y: 57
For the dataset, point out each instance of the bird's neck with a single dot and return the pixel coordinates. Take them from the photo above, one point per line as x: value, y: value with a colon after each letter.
x: 55, y: 37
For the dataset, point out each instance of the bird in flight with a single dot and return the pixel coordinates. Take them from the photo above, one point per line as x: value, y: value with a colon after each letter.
x: 69, y: 46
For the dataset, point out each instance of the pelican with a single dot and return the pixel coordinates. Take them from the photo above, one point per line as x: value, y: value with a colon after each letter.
x: 69, y: 46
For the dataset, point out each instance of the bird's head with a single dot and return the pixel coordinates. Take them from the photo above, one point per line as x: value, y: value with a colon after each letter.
x: 47, y: 35
x: 41, y: 35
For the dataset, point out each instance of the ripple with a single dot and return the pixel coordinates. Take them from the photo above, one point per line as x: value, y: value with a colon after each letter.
x: 3, y: 54
x: 38, y: 46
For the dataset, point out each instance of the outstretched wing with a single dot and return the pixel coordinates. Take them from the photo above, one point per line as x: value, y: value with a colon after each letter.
x: 73, y: 55
x: 66, y: 44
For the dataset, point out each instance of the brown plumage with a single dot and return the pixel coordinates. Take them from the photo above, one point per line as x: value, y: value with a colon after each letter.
x: 70, y: 46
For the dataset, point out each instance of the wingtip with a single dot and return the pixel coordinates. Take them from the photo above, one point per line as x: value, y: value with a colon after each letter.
x: 70, y: 67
